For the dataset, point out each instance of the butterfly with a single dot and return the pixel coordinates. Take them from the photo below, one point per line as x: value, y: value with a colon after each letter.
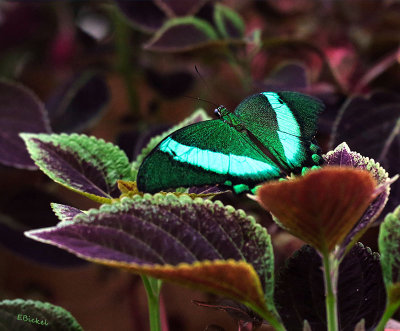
x: 269, y: 136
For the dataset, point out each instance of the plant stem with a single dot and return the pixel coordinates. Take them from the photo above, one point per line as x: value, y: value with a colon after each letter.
x: 330, y: 278
x: 125, y: 57
x: 153, y: 287
x: 389, y: 311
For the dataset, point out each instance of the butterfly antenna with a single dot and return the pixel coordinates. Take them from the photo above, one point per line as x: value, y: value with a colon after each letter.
x: 202, y: 79
x: 200, y: 99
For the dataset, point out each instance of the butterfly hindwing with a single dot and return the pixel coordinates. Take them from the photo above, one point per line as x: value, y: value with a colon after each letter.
x: 222, y: 156
x: 285, y: 122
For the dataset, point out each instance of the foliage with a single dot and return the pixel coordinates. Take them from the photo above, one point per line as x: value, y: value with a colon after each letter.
x: 97, y: 73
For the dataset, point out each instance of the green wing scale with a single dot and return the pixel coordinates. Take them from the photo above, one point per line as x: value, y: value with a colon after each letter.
x: 268, y: 136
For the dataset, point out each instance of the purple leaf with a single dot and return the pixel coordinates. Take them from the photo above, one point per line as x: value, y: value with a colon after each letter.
x: 342, y: 156
x: 79, y: 103
x: 83, y: 164
x: 371, y: 126
x: 169, y: 85
x: 182, y: 34
x: 361, y: 294
x: 21, y: 24
x: 179, y: 7
x: 377, y: 69
x: 65, y: 213
x: 35, y: 213
x: 165, y: 231
x: 20, y: 111
x: 291, y: 76
x: 145, y: 15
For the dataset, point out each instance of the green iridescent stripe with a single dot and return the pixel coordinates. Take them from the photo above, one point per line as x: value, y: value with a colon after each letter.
x: 235, y: 165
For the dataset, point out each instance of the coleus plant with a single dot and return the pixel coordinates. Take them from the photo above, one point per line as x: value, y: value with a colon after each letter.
x: 190, y: 240
x: 181, y: 26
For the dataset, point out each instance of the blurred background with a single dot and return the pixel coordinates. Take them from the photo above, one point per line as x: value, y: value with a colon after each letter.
x: 127, y: 70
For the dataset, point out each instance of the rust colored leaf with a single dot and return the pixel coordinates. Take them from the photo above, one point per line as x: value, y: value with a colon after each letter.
x: 321, y: 207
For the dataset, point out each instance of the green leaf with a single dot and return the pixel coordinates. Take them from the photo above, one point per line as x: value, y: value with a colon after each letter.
x: 389, y: 247
x: 229, y: 23
x: 83, y: 164
x: 26, y: 315
x: 198, y: 116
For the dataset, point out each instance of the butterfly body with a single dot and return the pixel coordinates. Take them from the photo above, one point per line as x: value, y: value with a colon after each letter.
x: 268, y: 136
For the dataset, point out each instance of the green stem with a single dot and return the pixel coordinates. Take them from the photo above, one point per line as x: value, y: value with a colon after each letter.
x: 391, y: 308
x: 153, y: 287
x: 330, y: 278
x: 269, y: 317
x: 125, y: 57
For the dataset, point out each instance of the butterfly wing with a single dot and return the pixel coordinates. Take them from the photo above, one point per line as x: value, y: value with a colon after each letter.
x: 205, y: 153
x: 284, y: 122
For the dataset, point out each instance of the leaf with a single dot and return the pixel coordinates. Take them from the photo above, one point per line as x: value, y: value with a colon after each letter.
x: 129, y: 189
x: 27, y: 209
x: 343, y: 61
x: 361, y: 290
x: 21, y: 26
x: 182, y: 34
x: 342, y: 156
x: 25, y: 315
x: 300, y: 292
x: 20, y: 111
x: 371, y: 126
x: 179, y: 7
x: 83, y: 164
x: 228, y: 22
x: 321, y: 207
x: 169, y: 85
x: 95, y: 25
x: 193, y: 242
x: 290, y: 76
x: 79, y: 103
x: 389, y: 248
x: 145, y: 15
x: 198, y: 116
x: 376, y: 70
x: 65, y: 213
x: 360, y: 326
x: 236, y: 310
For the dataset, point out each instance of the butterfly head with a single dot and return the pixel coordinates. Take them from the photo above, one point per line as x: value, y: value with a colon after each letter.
x: 221, y: 111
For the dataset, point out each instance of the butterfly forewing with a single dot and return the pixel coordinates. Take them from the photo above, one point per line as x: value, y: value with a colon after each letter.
x: 222, y: 156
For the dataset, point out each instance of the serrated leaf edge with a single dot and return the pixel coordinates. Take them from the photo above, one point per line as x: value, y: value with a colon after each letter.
x: 53, y: 138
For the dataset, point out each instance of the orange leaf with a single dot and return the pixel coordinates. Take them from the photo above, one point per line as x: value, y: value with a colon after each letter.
x: 235, y: 279
x: 321, y: 207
